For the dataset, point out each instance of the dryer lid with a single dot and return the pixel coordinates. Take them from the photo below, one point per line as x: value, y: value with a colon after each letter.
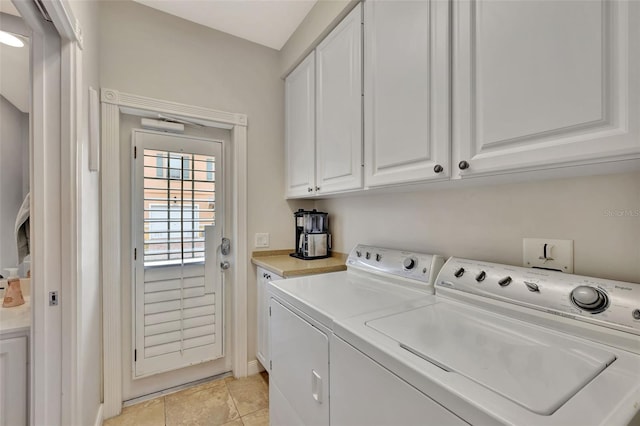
x: 532, y: 366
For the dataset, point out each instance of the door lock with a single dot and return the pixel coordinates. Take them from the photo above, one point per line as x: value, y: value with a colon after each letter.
x: 224, y: 265
x: 225, y: 248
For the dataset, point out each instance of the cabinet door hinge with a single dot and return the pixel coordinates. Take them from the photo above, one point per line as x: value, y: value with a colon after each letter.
x: 269, y: 310
x: 135, y: 355
x: 135, y: 152
x: 135, y: 254
x: 270, y: 365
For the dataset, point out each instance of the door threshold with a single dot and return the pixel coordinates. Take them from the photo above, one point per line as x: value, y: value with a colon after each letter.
x: 174, y: 389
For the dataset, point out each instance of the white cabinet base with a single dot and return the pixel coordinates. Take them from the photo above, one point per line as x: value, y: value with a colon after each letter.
x: 13, y: 381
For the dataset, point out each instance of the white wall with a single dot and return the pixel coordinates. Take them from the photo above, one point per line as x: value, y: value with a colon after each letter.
x: 600, y: 213
x: 14, y: 149
x: 89, y: 289
x: 150, y: 53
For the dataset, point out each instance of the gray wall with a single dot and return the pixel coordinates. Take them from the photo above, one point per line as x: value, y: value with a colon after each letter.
x: 14, y: 177
x: 150, y: 53
x: 488, y: 222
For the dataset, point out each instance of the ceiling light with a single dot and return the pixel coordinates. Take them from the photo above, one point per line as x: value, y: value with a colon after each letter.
x: 10, y: 39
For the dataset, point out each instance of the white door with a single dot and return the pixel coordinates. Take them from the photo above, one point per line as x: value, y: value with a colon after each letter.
x: 263, y: 278
x: 544, y: 83
x: 406, y: 91
x: 339, y: 107
x: 177, y: 228
x: 299, y: 376
x: 300, y: 129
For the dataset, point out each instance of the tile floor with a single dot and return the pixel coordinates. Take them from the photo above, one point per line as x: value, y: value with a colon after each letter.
x: 228, y: 401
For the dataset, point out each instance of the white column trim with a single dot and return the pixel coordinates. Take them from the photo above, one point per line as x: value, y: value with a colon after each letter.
x: 113, y: 102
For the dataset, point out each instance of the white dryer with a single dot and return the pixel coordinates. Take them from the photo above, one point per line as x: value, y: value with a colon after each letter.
x: 496, y: 344
x: 302, y: 314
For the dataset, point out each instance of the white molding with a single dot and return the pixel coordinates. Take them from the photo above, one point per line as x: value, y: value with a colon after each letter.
x: 113, y: 102
x: 254, y: 367
x: 99, y: 416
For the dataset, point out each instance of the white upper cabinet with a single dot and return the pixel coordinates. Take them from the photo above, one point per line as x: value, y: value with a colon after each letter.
x: 541, y: 84
x: 406, y: 91
x: 300, y: 129
x: 339, y: 107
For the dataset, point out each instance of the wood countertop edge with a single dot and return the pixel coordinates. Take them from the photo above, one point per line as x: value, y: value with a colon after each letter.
x: 262, y: 261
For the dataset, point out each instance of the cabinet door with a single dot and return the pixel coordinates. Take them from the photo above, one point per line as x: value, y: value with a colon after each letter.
x: 364, y: 393
x: 406, y: 91
x: 542, y: 84
x: 262, y: 352
x: 339, y: 107
x: 13, y: 382
x: 299, y: 378
x: 300, y: 129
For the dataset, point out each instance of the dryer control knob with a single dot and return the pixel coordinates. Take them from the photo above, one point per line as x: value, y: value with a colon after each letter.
x: 409, y: 263
x: 459, y: 273
x: 505, y: 281
x: 590, y: 299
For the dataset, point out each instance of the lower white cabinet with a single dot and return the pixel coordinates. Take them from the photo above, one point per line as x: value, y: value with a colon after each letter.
x: 13, y: 381
x: 262, y: 352
x: 365, y: 393
x: 299, y: 377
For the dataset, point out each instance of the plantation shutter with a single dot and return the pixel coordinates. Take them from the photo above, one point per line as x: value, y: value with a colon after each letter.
x: 178, y: 300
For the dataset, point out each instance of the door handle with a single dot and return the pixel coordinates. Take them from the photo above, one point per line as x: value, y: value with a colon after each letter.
x: 224, y: 265
x: 316, y: 386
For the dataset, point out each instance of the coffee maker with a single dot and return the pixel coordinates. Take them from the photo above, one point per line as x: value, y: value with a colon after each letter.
x: 313, y: 240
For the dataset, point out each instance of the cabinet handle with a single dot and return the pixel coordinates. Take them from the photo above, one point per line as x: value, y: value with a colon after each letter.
x: 316, y: 386
x: 317, y: 188
x: 438, y: 168
x: 463, y: 165
x: 309, y: 189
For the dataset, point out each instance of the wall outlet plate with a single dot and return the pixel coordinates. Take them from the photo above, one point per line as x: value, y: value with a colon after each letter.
x: 548, y: 254
x: 262, y: 240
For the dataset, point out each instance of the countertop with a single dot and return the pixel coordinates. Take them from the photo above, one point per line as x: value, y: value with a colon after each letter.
x: 279, y: 262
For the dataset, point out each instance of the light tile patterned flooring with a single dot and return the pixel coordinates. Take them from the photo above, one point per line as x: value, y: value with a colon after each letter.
x: 228, y: 401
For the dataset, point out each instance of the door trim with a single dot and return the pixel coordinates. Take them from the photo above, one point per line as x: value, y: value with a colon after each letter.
x: 113, y: 103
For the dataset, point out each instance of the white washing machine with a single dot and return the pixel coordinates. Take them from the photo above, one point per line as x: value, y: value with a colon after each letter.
x: 496, y: 344
x: 302, y: 314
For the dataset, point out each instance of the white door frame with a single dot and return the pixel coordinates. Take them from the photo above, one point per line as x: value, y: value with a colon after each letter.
x: 113, y: 103
x: 55, y: 125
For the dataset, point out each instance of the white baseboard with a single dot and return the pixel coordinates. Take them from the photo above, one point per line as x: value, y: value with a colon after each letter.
x: 99, y: 416
x: 254, y: 367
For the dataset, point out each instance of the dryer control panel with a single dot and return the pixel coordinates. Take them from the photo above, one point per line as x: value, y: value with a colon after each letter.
x: 419, y: 267
x: 609, y: 303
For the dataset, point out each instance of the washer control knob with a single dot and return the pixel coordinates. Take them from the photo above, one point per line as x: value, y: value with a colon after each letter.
x: 481, y: 276
x: 636, y: 314
x: 459, y: 273
x: 378, y: 257
x: 590, y: 299
x: 367, y: 255
x: 359, y: 253
x: 505, y: 281
x: 409, y: 263
x: 532, y: 286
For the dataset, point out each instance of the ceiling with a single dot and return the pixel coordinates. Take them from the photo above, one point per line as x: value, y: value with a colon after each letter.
x: 266, y: 22
x: 14, y: 67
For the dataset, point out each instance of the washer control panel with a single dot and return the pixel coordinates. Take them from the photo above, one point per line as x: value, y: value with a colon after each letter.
x: 419, y: 267
x: 614, y: 304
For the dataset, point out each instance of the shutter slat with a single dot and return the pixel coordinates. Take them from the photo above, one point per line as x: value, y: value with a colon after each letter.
x: 161, y: 317
x: 161, y: 349
x: 199, y: 341
x: 156, y: 308
x: 207, y: 299
x: 163, y: 327
x: 161, y: 339
x: 204, y: 330
x: 200, y: 311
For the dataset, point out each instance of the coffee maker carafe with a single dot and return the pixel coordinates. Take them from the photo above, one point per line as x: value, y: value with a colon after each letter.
x: 313, y: 240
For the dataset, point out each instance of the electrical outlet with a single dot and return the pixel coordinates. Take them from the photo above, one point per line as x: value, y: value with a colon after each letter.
x: 548, y: 254
x: 262, y: 240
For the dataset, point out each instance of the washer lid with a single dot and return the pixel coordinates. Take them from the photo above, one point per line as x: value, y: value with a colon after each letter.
x: 532, y: 366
